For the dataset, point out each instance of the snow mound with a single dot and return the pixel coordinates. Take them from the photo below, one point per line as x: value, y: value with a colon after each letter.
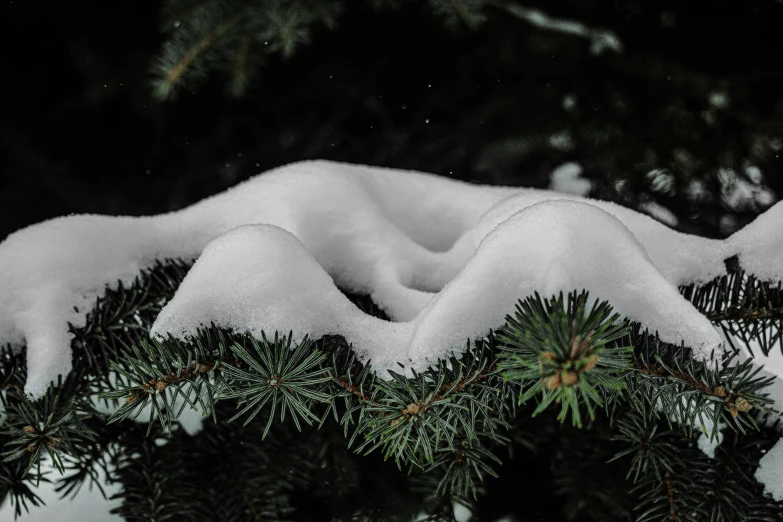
x: 400, y: 236
x: 262, y: 278
x: 760, y: 245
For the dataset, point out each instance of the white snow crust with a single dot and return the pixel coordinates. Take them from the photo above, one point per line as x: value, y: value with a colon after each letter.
x: 89, y: 505
x: 567, y: 178
x: 446, y: 259
x: 770, y: 471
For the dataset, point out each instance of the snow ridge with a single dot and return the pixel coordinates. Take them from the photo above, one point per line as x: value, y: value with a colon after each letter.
x: 446, y: 259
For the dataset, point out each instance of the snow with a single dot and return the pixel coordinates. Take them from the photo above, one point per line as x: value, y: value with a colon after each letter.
x: 88, y: 505
x: 429, y: 249
x: 770, y: 471
x: 760, y: 244
x: 601, y: 40
x: 772, y: 365
x: 659, y: 212
x: 706, y: 444
x: 263, y: 278
x: 461, y: 513
x: 567, y: 179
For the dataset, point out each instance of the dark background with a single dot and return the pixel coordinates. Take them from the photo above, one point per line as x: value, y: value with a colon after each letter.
x: 80, y: 132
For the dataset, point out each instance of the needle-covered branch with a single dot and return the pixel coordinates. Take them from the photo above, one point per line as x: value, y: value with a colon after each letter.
x: 748, y: 310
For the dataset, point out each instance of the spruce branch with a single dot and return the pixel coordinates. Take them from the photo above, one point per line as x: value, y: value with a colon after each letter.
x: 652, y: 450
x: 457, y: 12
x: 464, y: 469
x: 154, y: 491
x: 565, y: 353
x: 447, y: 420
x: 121, y: 318
x: 232, y: 37
x: 277, y: 374
x: 18, y: 483
x: 456, y: 402
x: 49, y: 426
x: 175, y: 65
x: 747, y: 309
x: 62, y: 423
x: 665, y: 467
x: 666, y: 380
x: 679, y: 482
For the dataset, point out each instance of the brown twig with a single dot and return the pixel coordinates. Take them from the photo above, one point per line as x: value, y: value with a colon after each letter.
x: 659, y: 370
x: 670, y: 488
x: 252, y: 509
x: 744, y: 314
x: 178, y: 70
x: 343, y: 381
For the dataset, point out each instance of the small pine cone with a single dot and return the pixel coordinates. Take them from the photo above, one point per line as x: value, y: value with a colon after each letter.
x: 552, y: 382
x: 32, y: 447
x: 51, y: 442
x: 412, y: 409
x: 397, y: 421
x: 131, y: 399
x: 77, y: 344
x: 570, y: 378
x: 549, y: 355
x: 742, y: 404
x: 203, y: 368
x: 160, y: 385
x: 732, y: 409
x: 29, y: 430
x: 591, y: 362
x: 720, y: 391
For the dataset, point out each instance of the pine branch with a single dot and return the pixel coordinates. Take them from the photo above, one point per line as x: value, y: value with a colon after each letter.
x: 174, y: 66
x: 50, y: 426
x: 679, y: 482
x: 278, y: 375
x: 457, y: 402
x: 18, y: 483
x: 457, y: 12
x: 152, y: 490
x: 747, y: 309
x: 566, y: 352
x: 447, y: 420
x: 665, y: 379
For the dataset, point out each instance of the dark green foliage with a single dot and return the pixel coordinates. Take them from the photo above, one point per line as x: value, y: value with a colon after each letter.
x: 154, y: 488
x: 276, y: 374
x: 121, y: 317
x: 456, y: 13
x: 587, y: 483
x: 667, y: 381
x: 456, y: 428
x: 18, y: 484
x: 233, y: 38
x: 465, y: 467
x: 49, y: 426
x: 149, y: 368
x: 566, y: 351
x: 677, y: 481
x: 747, y: 309
x: 442, y: 411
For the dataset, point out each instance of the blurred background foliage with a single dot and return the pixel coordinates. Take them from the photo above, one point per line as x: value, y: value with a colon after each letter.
x: 664, y: 103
